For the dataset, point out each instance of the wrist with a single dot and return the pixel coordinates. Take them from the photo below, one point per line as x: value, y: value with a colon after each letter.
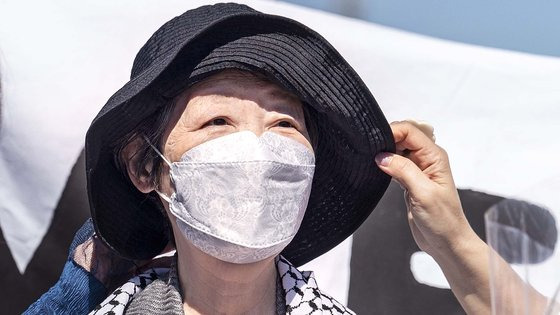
x: 464, y: 245
x: 465, y: 265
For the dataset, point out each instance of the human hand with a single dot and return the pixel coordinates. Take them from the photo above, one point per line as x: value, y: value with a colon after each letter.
x: 435, y: 214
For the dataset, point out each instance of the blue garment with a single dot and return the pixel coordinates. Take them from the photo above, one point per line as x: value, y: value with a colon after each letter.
x: 77, y: 291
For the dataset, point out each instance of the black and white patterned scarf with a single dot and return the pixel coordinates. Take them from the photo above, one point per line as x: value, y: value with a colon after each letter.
x: 302, y: 296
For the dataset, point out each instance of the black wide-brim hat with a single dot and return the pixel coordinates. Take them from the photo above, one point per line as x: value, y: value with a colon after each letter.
x: 351, y: 128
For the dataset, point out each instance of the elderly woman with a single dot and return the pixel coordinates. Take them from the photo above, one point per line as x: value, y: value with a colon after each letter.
x: 247, y: 143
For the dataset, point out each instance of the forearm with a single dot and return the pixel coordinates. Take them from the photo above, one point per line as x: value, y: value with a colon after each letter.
x: 467, y: 268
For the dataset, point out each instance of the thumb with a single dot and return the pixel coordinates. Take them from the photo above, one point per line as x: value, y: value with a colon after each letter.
x: 403, y: 170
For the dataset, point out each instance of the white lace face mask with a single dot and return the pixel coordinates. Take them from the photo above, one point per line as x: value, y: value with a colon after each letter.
x: 241, y: 198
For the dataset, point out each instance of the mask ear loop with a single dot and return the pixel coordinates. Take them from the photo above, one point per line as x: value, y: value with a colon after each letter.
x: 162, y: 195
x: 157, y: 151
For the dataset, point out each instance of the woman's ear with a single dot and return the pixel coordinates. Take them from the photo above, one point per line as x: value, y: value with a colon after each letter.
x: 139, y: 176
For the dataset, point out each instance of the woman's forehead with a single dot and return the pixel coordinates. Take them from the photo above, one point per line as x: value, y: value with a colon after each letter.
x: 219, y: 88
x: 230, y: 79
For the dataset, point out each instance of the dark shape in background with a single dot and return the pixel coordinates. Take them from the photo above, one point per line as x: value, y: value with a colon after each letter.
x: 19, y: 291
x: 523, y: 233
x: 381, y: 281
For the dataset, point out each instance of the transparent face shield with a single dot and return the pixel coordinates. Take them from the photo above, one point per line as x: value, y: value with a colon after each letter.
x: 523, y: 235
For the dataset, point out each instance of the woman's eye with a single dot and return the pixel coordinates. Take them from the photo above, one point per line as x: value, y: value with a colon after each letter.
x: 285, y: 124
x: 217, y: 122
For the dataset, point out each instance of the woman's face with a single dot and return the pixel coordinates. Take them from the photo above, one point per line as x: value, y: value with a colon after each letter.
x: 226, y: 103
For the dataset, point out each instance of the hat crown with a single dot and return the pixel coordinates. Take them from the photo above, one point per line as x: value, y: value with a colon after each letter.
x: 181, y: 28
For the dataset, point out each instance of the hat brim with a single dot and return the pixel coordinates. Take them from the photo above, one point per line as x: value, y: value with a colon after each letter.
x: 352, y: 129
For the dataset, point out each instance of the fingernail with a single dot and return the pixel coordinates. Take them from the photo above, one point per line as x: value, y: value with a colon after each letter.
x: 383, y: 158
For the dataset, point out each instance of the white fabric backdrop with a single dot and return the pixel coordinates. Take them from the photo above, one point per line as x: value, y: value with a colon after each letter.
x: 494, y: 111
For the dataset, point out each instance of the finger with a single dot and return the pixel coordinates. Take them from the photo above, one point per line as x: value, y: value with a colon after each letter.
x: 423, y: 126
x: 400, y: 149
x: 410, y: 137
x: 404, y: 171
x: 418, y: 147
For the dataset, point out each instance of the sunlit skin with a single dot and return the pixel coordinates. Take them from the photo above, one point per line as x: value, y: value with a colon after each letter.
x: 225, y: 103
